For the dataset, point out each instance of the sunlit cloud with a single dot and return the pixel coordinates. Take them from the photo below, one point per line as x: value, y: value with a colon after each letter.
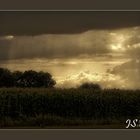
x: 117, y: 47
x: 106, y: 80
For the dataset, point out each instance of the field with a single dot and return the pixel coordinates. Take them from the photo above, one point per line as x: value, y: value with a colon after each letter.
x: 67, y: 108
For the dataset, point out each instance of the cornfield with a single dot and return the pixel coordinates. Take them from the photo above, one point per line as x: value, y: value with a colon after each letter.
x: 79, y: 104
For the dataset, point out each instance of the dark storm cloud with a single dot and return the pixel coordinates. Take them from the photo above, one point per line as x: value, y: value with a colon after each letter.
x: 33, y: 23
x: 90, y: 44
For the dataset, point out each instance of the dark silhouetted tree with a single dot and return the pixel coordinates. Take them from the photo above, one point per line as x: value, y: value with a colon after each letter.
x: 6, y: 78
x: 45, y: 79
x: 90, y: 86
x: 35, y: 79
x: 17, y: 78
x: 28, y: 78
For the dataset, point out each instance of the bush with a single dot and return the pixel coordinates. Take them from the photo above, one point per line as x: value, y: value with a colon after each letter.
x: 90, y: 86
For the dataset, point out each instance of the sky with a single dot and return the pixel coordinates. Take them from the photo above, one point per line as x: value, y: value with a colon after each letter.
x: 75, y: 47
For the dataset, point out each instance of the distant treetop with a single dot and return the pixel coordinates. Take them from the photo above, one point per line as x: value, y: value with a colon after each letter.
x: 89, y: 85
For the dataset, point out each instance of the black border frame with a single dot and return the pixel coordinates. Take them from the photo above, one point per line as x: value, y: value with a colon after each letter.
x: 72, y: 134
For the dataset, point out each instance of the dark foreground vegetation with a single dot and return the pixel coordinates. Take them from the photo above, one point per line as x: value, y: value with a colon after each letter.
x: 67, y: 108
x: 30, y: 100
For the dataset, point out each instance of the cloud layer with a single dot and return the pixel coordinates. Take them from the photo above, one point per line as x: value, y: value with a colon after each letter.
x: 54, y: 46
x: 123, y: 42
x: 108, y: 57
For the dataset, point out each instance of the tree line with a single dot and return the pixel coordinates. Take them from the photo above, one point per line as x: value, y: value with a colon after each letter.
x: 32, y: 78
x: 28, y: 78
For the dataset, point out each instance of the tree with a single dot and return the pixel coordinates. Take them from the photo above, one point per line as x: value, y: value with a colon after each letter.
x: 32, y: 78
x: 45, y: 79
x: 90, y: 86
x: 28, y: 78
x: 17, y: 77
x: 6, y: 78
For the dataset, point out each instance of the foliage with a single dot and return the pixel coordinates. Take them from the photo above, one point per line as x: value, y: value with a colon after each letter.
x: 6, y: 78
x: 90, y: 86
x: 28, y: 78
